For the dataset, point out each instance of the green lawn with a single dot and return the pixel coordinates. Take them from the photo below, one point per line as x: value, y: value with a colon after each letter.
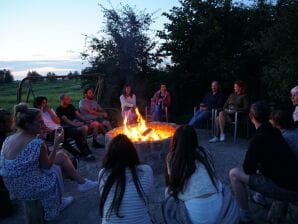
x: 51, y: 89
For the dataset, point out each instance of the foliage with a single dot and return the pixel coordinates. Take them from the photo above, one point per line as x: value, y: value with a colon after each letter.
x: 216, y: 39
x: 124, y: 53
x: 5, y: 76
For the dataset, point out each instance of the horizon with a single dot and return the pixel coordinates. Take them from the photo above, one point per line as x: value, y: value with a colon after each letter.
x: 48, y: 36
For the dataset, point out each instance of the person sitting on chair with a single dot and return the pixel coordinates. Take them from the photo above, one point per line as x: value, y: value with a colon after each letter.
x: 159, y: 102
x: 92, y: 111
x: 284, y: 122
x: 52, y: 122
x: 128, y: 103
x: 237, y: 101
x: 269, y: 166
x: 213, y: 100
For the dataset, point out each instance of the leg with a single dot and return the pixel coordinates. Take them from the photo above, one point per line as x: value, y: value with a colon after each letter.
x: 157, y: 113
x: 84, y: 130
x: 239, y: 180
x: 202, y: 116
x: 221, y: 121
x: 67, y: 168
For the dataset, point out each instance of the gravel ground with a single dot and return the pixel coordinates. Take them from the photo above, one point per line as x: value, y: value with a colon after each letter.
x: 225, y: 156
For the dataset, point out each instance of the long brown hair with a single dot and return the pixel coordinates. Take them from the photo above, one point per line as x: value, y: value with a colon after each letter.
x: 184, y: 153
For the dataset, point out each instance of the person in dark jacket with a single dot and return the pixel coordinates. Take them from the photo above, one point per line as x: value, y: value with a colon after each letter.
x: 213, y: 100
x: 269, y: 166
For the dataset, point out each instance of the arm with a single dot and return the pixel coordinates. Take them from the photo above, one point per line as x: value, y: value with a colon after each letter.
x: 45, y: 160
x: 220, y: 101
x: 53, y: 115
x: 244, y: 103
x: 124, y: 102
x: 167, y: 100
x: 154, y: 99
x: 250, y: 163
x: 80, y: 116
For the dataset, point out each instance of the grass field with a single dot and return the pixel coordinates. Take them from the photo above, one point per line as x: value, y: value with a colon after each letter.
x: 51, y: 89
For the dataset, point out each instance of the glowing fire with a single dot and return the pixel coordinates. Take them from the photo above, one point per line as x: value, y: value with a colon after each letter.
x: 141, y: 132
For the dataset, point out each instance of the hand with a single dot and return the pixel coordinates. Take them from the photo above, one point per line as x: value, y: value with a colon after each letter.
x: 59, y: 136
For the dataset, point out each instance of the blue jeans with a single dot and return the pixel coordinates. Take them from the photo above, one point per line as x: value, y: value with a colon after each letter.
x: 200, y: 117
x: 158, y: 112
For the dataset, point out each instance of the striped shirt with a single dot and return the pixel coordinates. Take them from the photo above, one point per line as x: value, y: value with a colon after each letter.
x: 132, y: 207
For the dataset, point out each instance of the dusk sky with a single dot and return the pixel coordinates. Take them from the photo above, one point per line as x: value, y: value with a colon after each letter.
x: 46, y: 35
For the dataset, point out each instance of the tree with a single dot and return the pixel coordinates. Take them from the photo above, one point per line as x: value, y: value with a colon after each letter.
x: 51, y: 76
x: 124, y: 53
x: 5, y: 76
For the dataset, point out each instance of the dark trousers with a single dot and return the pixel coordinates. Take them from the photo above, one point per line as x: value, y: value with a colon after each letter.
x: 81, y: 143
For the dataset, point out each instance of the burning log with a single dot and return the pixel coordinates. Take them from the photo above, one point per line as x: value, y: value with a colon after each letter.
x: 146, y: 132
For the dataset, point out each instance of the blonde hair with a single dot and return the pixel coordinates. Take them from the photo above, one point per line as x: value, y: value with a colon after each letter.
x: 23, y: 114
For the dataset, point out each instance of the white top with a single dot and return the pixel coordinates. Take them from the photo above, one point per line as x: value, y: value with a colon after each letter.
x: 295, y: 114
x: 128, y: 102
x: 199, y: 184
x: 48, y: 121
x: 132, y: 207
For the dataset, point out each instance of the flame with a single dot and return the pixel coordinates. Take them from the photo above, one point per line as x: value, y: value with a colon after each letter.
x: 141, y: 132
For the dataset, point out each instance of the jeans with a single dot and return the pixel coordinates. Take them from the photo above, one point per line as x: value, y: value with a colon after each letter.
x: 200, y: 117
x: 158, y: 112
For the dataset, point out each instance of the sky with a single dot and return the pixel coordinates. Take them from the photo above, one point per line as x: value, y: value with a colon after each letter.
x: 48, y: 35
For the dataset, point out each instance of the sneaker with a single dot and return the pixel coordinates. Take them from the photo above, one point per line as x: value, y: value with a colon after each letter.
x: 95, y: 144
x: 66, y: 201
x: 88, y: 185
x: 214, y: 139
x: 222, y: 137
x: 259, y: 199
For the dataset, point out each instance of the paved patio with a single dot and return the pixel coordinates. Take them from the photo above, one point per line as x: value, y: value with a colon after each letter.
x: 84, y: 210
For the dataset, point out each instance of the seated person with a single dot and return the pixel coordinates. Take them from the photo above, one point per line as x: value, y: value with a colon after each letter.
x: 128, y: 103
x: 269, y: 165
x: 30, y: 172
x: 124, y: 184
x: 72, y: 118
x: 52, y: 122
x: 294, y: 98
x: 203, y: 201
x: 213, y: 100
x: 92, y: 111
x: 284, y: 122
x: 6, y: 122
x: 160, y: 100
x: 237, y: 101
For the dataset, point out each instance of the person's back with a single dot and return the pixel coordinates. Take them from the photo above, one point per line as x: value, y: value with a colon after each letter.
x: 133, y: 208
x: 269, y: 151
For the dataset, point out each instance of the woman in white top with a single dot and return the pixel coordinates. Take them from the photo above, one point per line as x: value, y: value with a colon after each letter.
x: 124, y: 184
x: 128, y: 104
x: 190, y: 177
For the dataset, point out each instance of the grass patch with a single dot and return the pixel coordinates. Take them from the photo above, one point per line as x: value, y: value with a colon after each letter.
x: 51, y: 89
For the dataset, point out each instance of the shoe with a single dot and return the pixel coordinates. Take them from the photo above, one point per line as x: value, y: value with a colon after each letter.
x: 66, y: 201
x: 214, y: 139
x: 259, y: 199
x: 222, y: 137
x: 95, y: 144
x: 88, y: 185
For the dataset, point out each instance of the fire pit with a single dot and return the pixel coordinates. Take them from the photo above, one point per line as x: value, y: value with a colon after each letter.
x: 152, y: 140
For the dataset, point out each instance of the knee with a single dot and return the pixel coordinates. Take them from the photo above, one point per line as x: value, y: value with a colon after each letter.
x: 234, y: 173
x: 61, y: 156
